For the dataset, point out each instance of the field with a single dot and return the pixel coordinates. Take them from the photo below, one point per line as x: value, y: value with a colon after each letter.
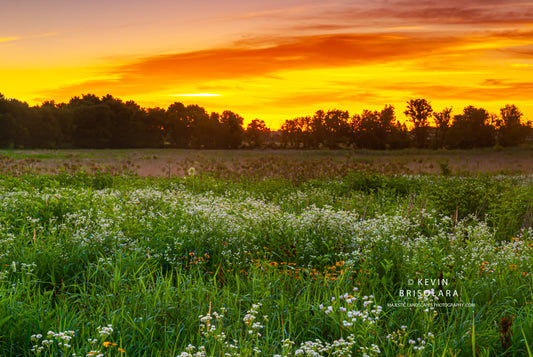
x: 269, y: 163
x: 253, y: 253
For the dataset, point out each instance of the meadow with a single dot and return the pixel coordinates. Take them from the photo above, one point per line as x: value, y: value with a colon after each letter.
x: 264, y: 254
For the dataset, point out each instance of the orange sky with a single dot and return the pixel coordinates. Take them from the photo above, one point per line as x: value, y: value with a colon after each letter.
x: 271, y: 60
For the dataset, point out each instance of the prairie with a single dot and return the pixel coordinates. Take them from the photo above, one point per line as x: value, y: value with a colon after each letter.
x: 270, y: 163
x: 255, y: 253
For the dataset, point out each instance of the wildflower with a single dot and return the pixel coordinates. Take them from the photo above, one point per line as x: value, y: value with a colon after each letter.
x: 109, y: 344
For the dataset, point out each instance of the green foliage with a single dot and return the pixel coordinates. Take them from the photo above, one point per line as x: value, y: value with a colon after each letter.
x: 148, y: 265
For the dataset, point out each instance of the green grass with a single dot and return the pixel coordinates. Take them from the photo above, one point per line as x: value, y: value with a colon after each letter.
x: 90, y: 264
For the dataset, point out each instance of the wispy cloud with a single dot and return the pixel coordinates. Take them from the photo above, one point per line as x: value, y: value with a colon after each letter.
x: 436, y: 13
x: 291, y: 53
x: 18, y: 38
x: 486, y: 91
x: 285, y: 12
x: 9, y: 39
x: 195, y: 95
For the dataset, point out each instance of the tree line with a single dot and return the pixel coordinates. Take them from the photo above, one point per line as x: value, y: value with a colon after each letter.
x: 473, y: 128
x: 107, y: 122
x: 89, y: 121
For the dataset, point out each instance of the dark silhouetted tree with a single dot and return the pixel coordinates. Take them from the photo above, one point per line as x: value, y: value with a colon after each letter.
x: 336, y: 128
x: 177, y: 127
x: 15, y: 122
x: 231, y: 129
x: 8, y: 126
x: 127, y: 123
x: 442, y: 124
x: 45, y: 125
x: 256, y: 133
x: 374, y: 130
x: 154, y: 122
x: 317, y: 129
x: 511, y: 130
x: 419, y: 111
x: 471, y: 129
x: 291, y: 133
x: 92, y: 126
x: 205, y: 128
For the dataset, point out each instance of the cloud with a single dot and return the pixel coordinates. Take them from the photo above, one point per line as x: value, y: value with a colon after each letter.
x: 9, y: 39
x: 18, y: 38
x: 195, y: 95
x: 292, y: 53
x: 321, y: 97
x: 455, y: 13
x: 489, y: 90
x: 288, y: 12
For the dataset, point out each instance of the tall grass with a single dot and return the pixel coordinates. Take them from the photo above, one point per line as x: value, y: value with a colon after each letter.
x: 364, y: 265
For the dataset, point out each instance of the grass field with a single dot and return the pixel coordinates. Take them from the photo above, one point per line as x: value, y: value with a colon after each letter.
x: 262, y: 254
x: 270, y: 163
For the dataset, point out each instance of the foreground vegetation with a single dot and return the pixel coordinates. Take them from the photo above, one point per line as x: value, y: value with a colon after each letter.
x: 359, y: 265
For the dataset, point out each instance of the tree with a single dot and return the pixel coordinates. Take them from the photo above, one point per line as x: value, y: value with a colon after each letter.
x: 442, y: 124
x: 256, y: 133
x: 202, y: 127
x: 418, y: 111
x: 511, y: 131
x: 316, y: 128
x: 177, y: 129
x: 374, y: 130
x: 291, y: 133
x: 471, y: 129
x: 15, y: 123
x: 45, y: 127
x: 127, y: 123
x: 92, y: 126
x: 7, y: 130
x: 231, y: 129
x: 336, y: 128
x: 155, y: 126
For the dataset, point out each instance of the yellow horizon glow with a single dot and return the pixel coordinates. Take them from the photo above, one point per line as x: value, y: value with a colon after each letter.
x: 196, y: 95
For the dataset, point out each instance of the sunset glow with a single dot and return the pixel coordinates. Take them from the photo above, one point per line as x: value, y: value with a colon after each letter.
x: 196, y: 95
x: 271, y: 60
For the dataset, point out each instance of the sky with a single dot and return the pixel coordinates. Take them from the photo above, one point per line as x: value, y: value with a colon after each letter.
x: 272, y: 60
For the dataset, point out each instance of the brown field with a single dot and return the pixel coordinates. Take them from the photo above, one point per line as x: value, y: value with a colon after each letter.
x: 290, y: 164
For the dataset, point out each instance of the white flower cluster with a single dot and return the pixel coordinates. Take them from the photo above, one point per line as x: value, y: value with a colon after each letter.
x: 62, y: 339
x: 60, y: 343
x: 373, y: 350
x: 369, y: 314
x: 401, y: 339
x: 209, y: 329
x: 254, y: 327
x: 317, y: 348
x: 105, y: 331
x: 193, y: 351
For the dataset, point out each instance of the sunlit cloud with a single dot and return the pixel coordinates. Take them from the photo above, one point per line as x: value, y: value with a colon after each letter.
x: 46, y: 34
x: 280, y: 12
x: 196, y: 95
x: 8, y: 39
x: 291, y: 53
